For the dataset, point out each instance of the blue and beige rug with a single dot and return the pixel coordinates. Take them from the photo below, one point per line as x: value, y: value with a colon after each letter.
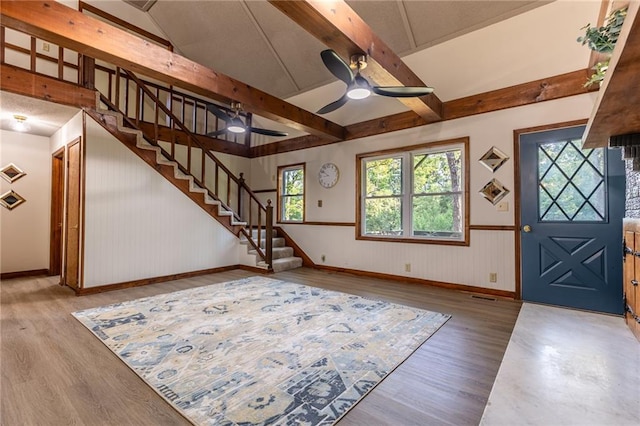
x: 259, y: 351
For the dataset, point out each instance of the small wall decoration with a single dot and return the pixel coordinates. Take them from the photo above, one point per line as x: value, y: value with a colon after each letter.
x: 11, y: 200
x: 494, y: 191
x: 11, y: 173
x: 493, y: 159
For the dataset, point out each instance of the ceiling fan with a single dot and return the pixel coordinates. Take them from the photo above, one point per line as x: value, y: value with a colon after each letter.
x: 235, y: 125
x: 357, y: 86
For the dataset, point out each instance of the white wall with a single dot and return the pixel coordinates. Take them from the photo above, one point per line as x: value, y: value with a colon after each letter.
x: 67, y: 133
x: 25, y: 229
x: 489, y: 251
x: 138, y: 225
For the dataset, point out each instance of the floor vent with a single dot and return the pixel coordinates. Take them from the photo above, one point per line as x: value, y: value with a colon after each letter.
x: 493, y: 299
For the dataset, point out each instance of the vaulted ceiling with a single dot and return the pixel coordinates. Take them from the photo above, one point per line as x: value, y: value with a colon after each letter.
x: 275, y: 47
x: 256, y: 43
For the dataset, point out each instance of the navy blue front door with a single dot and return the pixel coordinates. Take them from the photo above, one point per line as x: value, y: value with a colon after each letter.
x: 572, y: 205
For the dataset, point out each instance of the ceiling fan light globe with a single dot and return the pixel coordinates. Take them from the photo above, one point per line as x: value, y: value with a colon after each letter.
x: 235, y: 128
x: 358, y: 93
x: 359, y: 89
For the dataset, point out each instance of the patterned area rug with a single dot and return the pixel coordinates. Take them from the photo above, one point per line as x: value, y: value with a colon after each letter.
x: 259, y: 351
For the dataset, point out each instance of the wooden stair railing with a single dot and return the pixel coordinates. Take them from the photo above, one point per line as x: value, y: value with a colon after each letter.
x: 209, y: 175
x: 191, y: 110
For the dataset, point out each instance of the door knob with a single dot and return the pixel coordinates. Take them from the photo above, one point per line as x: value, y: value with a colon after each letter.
x: 526, y: 228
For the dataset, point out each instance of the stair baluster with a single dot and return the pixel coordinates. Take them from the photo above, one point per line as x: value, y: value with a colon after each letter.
x: 192, y: 142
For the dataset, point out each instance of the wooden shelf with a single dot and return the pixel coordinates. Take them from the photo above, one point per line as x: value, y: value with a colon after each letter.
x: 617, y: 108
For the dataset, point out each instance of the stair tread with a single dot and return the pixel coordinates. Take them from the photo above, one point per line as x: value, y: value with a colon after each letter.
x: 286, y: 263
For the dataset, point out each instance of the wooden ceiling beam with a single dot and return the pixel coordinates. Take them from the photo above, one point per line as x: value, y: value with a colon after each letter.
x: 67, y: 27
x: 337, y: 25
x: 21, y: 82
x: 546, y: 89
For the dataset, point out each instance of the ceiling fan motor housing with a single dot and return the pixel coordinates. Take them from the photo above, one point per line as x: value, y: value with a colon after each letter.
x: 358, y: 61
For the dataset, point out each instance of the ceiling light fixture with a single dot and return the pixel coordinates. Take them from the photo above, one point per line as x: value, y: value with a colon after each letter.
x: 236, y: 126
x: 19, y: 125
x: 360, y: 88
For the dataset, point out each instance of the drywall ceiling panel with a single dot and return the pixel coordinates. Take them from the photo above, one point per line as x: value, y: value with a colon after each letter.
x: 223, y: 36
x: 505, y: 54
x: 437, y: 21
x: 298, y: 51
x: 386, y: 20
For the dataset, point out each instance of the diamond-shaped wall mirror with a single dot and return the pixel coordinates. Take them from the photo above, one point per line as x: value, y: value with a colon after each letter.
x: 11, y: 199
x: 494, y: 191
x: 11, y: 173
x: 493, y: 159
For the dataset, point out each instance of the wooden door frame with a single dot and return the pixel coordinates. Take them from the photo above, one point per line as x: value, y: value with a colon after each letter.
x: 78, y: 141
x: 516, y: 190
x: 58, y: 173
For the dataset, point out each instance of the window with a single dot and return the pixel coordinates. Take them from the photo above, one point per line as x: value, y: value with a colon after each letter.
x: 291, y: 193
x: 417, y: 194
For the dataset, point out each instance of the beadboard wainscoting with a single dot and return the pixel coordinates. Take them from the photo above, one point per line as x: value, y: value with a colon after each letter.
x: 492, y: 242
x: 489, y: 252
x: 138, y: 225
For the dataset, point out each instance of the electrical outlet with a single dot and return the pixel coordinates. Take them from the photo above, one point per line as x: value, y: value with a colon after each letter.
x: 46, y: 46
x: 493, y: 277
x: 407, y: 267
x: 319, y: 203
x: 323, y: 258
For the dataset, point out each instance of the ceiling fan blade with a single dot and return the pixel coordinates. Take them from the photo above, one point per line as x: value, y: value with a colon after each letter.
x: 333, y: 105
x: 402, y: 91
x: 218, y: 112
x: 337, y: 66
x: 216, y: 133
x: 268, y: 132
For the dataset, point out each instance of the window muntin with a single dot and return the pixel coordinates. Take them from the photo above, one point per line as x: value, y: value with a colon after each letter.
x: 419, y: 194
x: 291, y: 193
x: 571, y: 182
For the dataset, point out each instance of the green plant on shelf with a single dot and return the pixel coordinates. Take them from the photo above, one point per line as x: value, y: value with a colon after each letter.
x: 603, y: 40
x: 600, y: 69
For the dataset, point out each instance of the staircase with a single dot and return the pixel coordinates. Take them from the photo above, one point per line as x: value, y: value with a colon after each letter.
x: 283, y: 257
x: 212, y: 186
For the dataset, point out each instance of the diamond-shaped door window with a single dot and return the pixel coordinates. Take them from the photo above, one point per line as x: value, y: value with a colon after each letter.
x: 11, y: 173
x: 493, y: 159
x: 11, y: 199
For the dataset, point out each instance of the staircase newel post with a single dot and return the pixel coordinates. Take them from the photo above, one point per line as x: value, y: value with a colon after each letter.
x: 269, y: 235
x: 240, y: 198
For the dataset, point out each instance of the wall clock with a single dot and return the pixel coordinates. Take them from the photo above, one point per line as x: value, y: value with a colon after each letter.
x: 328, y: 175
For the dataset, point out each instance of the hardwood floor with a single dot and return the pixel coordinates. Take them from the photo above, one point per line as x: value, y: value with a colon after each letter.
x: 55, y: 372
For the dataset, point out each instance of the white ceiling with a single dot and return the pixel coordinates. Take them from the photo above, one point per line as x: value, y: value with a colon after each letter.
x: 43, y: 118
x: 459, y: 47
x: 255, y: 43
